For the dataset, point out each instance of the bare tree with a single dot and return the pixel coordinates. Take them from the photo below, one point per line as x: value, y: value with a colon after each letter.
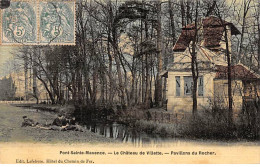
x: 228, y: 56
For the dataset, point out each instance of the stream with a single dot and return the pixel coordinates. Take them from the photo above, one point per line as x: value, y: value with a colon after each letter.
x: 114, y: 130
x: 124, y: 133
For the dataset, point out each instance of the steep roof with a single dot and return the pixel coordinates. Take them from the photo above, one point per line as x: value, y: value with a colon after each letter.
x: 184, y: 40
x: 238, y: 71
x: 212, y: 33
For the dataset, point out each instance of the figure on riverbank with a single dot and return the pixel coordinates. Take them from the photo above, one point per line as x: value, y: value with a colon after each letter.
x: 60, y: 120
x: 28, y: 122
x: 60, y: 123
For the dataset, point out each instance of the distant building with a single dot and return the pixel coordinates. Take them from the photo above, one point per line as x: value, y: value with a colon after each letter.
x: 17, y: 80
x: 212, y: 63
x: 7, y: 89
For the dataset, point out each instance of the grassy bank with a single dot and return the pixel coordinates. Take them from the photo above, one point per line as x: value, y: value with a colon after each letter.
x: 11, y: 130
x: 206, y: 125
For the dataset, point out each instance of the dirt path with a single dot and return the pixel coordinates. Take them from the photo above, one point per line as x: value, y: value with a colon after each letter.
x: 11, y: 130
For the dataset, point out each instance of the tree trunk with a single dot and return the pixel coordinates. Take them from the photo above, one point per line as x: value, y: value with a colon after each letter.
x: 172, y: 21
x: 188, y: 12
x: 159, y: 56
x: 26, y: 76
x: 110, y: 77
x: 48, y: 90
x: 79, y: 84
x: 183, y: 22
x: 118, y: 67
x: 194, y: 65
x: 230, y: 99
x: 147, y: 69
x: 246, y: 6
x: 102, y: 87
x: 148, y: 87
x: 94, y: 96
x: 35, y: 91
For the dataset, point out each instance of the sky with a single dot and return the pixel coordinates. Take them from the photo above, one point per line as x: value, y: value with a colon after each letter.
x: 5, y: 55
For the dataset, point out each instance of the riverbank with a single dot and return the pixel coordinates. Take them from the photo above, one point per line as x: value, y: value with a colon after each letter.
x: 11, y: 130
x: 159, y: 122
x: 47, y: 107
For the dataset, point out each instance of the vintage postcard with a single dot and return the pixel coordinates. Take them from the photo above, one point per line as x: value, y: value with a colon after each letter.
x: 129, y: 82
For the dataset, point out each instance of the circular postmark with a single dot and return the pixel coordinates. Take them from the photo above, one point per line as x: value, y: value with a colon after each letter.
x: 19, y: 23
x: 56, y: 22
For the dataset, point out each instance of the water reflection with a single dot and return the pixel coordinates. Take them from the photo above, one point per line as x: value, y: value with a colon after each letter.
x: 114, y: 130
x: 124, y: 133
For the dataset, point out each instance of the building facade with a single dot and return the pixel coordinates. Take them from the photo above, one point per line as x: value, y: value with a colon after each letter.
x: 212, y: 64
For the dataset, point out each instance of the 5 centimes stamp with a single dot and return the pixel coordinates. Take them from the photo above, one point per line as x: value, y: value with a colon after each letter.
x: 19, y: 23
x: 57, y: 22
x: 38, y: 22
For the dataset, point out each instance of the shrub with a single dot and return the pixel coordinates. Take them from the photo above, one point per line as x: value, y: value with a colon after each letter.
x: 213, y: 124
x: 153, y: 128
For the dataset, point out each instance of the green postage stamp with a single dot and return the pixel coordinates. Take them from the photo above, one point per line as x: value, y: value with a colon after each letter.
x: 38, y: 22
